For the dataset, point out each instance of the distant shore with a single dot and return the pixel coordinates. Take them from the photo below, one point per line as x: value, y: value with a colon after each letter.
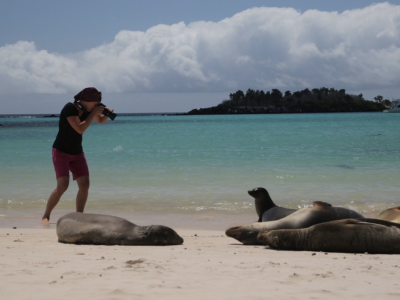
x: 119, y: 115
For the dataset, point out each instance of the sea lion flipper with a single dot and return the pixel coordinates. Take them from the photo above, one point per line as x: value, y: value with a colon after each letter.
x: 390, y: 214
x: 321, y: 204
x: 368, y: 221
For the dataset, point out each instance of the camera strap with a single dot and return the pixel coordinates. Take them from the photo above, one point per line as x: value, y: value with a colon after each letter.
x: 77, y: 103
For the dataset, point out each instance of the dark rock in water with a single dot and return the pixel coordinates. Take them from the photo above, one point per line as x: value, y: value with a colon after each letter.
x: 94, y: 229
x: 345, y: 166
x: 51, y: 116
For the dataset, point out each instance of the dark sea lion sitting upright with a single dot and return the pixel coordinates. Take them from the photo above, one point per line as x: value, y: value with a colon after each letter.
x: 320, y: 212
x: 390, y: 214
x: 266, y: 209
x: 94, y: 229
x: 349, y: 236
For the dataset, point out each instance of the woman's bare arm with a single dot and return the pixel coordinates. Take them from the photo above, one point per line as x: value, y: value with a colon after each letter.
x: 101, y: 119
x: 79, y: 126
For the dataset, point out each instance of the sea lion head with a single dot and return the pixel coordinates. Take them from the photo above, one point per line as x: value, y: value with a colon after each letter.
x: 258, y: 192
x: 244, y: 234
x: 263, y: 201
x: 158, y: 235
x: 277, y: 239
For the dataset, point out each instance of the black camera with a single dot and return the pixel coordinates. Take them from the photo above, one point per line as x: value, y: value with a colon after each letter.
x: 107, y: 113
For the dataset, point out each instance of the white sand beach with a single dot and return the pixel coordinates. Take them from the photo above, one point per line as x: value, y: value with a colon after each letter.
x: 209, y: 265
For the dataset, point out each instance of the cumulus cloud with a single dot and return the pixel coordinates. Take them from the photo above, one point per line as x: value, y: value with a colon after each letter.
x: 260, y: 48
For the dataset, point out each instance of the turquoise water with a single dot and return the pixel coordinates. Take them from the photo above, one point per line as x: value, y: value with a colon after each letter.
x: 204, y: 165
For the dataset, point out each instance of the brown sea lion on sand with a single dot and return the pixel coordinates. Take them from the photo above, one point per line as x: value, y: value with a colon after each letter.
x: 349, y: 236
x: 391, y: 215
x: 320, y: 212
x: 266, y: 209
x: 82, y: 228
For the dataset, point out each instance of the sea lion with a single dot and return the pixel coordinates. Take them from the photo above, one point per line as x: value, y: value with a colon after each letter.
x: 349, y: 236
x: 266, y: 209
x: 391, y: 215
x: 318, y: 213
x: 82, y: 228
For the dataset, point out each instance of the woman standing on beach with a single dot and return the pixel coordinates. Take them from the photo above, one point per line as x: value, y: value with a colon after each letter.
x: 67, y: 152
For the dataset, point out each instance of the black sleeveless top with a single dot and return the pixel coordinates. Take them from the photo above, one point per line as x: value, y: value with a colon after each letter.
x: 68, y: 140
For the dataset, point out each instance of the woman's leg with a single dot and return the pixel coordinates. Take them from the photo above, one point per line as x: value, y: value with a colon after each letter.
x: 62, y: 186
x: 83, y: 192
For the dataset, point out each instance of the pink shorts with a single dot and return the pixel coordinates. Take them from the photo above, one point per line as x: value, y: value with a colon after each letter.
x: 63, y: 163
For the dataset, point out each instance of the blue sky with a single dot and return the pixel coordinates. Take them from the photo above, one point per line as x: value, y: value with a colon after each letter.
x: 73, y: 25
x: 49, y: 50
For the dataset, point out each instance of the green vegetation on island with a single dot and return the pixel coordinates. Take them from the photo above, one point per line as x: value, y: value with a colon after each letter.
x: 305, y: 101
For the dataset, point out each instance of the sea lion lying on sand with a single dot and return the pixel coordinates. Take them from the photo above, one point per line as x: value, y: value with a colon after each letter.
x: 391, y: 215
x: 266, y: 209
x: 349, y: 236
x: 82, y: 228
x: 320, y: 212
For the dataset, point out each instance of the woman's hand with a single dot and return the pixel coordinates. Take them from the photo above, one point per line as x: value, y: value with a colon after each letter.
x: 97, y: 110
x: 101, y: 119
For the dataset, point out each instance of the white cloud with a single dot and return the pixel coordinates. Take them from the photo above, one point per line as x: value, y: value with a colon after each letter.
x: 260, y: 48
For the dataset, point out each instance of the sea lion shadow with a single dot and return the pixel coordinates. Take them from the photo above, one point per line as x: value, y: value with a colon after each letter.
x: 272, y: 249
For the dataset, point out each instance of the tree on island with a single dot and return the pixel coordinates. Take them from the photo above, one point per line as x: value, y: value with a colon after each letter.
x: 387, y: 103
x: 304, y: 101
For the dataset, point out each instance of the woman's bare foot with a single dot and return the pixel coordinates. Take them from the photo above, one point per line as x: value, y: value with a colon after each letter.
x: 45, y: 222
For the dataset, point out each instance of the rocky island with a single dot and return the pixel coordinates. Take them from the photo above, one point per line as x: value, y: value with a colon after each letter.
x: 305, y: 101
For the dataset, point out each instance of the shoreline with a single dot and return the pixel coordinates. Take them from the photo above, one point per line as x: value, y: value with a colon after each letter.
x: 200, y: 221
x: 207, y: 265
x: 25, y: 217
